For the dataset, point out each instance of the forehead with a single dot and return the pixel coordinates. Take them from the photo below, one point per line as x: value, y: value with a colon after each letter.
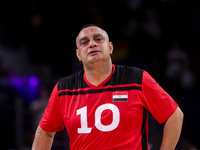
x: 90, y: 31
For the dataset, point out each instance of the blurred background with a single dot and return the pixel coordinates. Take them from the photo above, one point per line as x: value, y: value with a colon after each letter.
x: 37, y: 47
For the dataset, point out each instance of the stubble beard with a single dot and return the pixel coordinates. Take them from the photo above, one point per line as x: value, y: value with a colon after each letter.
x: 94, y: 60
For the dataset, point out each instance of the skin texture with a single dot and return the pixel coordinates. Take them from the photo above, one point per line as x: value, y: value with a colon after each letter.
x: 43, y: 140
x: 172, y: 130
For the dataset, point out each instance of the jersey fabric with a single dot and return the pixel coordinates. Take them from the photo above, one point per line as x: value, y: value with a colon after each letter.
x: 110, y: 116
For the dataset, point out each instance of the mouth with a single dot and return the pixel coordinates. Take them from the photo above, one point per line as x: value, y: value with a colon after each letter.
x: 94, y: 52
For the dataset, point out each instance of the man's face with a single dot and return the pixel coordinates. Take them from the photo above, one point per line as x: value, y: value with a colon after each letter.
x: 93, y: 45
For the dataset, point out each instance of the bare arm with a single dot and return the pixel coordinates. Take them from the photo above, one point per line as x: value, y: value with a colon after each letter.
x: 172, y: 130
x: 43, y: 140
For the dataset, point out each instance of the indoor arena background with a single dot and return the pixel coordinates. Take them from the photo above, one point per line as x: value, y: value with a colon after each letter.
x: 37, y: 47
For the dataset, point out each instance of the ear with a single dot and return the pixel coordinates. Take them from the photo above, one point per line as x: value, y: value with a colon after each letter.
x: 78, y: 54
x: 111, y: 47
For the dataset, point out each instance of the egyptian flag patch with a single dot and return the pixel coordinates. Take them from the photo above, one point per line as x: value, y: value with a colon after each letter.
x: 120, y: 96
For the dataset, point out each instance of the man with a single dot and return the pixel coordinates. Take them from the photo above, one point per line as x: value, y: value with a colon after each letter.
x: 105, y: 106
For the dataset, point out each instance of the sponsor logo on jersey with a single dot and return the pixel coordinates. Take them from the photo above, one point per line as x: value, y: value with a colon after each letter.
x: 120, y: 96
x: 76, y: 100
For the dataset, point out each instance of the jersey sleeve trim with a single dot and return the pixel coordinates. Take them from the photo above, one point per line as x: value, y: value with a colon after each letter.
x: 168, y: 115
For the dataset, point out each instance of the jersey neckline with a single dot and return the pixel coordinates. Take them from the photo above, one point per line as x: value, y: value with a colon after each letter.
x: 103, y: 82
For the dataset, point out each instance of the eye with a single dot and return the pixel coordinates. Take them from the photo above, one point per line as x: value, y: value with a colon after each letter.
x: 98, y: 39
x: 84, y: 43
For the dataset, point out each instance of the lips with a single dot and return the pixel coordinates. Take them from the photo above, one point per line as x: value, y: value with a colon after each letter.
x: 93, y: 52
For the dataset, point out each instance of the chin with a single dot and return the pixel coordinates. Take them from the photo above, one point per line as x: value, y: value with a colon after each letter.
x: 95, y: 59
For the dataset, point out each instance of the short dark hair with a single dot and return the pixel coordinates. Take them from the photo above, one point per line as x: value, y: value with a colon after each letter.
x: 89, y: 25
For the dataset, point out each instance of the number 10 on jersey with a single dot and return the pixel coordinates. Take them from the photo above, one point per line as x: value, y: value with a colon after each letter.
x: 98, y: 124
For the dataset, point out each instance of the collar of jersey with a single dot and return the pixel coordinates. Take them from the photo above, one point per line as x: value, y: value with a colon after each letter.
x: 103, y: 82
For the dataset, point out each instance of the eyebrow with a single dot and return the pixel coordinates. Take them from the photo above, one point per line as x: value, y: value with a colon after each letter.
x: 97, y: 34
x: 83, y: 38
x: 94, y: 35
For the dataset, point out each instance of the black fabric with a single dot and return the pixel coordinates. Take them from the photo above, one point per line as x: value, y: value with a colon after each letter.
x: 122, y: 75
x: 143, y: 130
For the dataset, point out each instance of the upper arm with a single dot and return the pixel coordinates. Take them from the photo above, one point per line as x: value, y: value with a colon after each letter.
x: 177, y: 116
x: 42, y: 132
x: 43, y: 139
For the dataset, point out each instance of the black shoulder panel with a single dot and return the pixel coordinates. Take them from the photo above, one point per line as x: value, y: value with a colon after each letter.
x: 126, y: 75
x: 121, y: 76
x: 71, y: 82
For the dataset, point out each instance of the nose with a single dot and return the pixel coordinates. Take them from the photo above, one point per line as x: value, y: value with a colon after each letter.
x: 92, y: 44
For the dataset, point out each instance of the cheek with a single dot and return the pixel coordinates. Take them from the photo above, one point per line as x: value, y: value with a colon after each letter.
x: 82, y: 52
x: 109, y: 49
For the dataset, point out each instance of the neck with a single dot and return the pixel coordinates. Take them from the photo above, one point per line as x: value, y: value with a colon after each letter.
x: 98, y: 72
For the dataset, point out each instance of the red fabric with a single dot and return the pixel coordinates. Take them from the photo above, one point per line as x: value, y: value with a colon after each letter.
x: 68, y: 110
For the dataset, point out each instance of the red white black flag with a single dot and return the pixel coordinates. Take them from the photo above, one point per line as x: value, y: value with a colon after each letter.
x: 120, y: 96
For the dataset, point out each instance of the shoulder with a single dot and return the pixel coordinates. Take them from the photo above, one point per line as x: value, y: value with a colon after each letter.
x: 127, y: 75
x: 129, y: 69
x: 70, y: 82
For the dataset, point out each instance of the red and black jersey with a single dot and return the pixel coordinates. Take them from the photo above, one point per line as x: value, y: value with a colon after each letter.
x: 112, y: 115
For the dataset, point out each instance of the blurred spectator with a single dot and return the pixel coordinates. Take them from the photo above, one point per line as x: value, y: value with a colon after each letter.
x: 183, y: 86
x: 151, y: 25
x: 178, y: 69
x: 38, y: 106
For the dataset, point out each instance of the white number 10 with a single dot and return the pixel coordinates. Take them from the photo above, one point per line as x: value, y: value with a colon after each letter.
x: 84, y: 123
